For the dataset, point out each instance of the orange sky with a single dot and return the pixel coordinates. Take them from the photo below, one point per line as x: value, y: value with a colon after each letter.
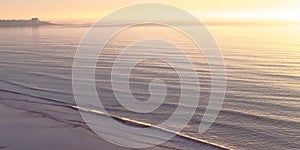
x: 92, y: 10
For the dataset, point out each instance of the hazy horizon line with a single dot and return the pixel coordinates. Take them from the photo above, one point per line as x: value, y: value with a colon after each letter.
x: 209, y: 22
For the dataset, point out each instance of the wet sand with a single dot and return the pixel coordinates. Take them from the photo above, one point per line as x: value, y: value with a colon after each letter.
x: 23, y: 130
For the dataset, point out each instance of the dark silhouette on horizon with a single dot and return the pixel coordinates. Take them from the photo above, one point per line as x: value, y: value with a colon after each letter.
x: 31, y: 22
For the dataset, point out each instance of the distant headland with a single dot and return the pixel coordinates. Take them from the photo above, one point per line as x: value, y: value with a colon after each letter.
x: 31, y: 22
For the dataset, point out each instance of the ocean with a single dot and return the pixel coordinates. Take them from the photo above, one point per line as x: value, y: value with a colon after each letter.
x: 261, y: 105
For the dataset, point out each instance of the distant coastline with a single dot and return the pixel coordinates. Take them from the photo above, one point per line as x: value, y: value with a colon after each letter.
x: 24, y: 23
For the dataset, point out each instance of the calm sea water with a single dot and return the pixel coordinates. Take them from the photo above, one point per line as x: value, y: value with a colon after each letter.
x: 262, y: 102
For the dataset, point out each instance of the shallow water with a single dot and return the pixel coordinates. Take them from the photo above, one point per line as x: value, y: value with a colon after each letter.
x: 261, y: 107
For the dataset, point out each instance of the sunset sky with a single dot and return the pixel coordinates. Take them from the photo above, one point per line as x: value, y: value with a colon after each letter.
x: 92, y: 10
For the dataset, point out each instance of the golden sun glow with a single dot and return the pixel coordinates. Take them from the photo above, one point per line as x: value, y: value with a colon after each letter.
x: 69, y: 10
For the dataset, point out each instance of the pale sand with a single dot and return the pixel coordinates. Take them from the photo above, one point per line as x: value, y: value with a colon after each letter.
x: 22, y: 130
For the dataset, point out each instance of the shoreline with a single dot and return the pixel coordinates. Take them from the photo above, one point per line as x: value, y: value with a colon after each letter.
x: 21, y: 129
x: 38, y: 128
x: 71, y: 117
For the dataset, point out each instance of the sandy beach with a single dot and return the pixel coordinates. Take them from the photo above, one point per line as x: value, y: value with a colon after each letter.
x: 23, y: 130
